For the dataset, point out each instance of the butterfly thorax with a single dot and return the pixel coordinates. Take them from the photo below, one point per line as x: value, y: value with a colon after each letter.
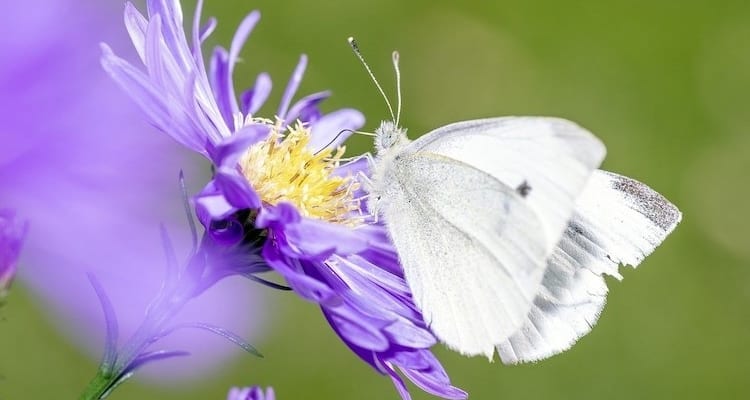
x: 390, y: 143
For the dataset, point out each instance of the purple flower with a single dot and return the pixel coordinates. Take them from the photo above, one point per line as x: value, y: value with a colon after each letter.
x: 251, y: 393
x: 12, y: 233
x: 94, y: 183
x: 281, y: 185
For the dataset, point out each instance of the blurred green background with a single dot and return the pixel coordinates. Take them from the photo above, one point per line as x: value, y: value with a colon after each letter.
x: 665, y: 84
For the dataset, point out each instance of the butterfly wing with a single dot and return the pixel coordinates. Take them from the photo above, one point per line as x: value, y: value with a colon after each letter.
x: 553, y: 158
x: 617, y: 220
x: 470, y: 249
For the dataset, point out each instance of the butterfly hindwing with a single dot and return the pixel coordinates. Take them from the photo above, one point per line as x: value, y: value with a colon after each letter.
x: 617, y: 221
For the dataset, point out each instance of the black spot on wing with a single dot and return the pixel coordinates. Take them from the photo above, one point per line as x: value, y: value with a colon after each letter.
x: 524, y: 189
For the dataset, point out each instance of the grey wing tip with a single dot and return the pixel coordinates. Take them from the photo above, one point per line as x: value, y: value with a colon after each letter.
x: 649, y: 202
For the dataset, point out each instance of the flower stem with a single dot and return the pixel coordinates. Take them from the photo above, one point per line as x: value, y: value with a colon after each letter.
x: 99, y: 385
x: 150, y: 330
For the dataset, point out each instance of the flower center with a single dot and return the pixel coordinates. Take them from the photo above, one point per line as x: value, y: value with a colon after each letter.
x: 282, y: 168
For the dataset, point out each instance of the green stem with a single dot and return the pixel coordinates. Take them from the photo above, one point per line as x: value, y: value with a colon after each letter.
x: 99, y: 386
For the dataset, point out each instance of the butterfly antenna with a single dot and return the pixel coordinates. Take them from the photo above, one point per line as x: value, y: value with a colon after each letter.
x: 398, y: 85
x: 355, y: 48
x: 341, y: 132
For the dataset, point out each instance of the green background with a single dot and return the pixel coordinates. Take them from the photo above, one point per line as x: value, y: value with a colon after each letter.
x: 665, y: 84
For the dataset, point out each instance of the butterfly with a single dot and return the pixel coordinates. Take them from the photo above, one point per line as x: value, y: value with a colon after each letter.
x: 505, y: 228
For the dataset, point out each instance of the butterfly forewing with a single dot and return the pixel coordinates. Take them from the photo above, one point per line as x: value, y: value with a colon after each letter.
x: 472, y: 249
x: 549, y: 158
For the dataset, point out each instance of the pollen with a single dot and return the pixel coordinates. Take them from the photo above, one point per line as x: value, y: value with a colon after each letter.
x: 282, y: 169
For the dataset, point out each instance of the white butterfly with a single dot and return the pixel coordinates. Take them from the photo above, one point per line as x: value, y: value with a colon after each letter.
x: 505, y: 228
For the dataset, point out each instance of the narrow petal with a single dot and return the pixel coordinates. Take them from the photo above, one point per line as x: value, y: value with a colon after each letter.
x: 360, y: 331
x: 292, y: 86
x: 397, y: 382
x: 434, y: 380
x: 410, y: 359
x: 208, y: 28
x: 222, y: 69
x: 136, y: 23
x: 12, y: 235
x: 138, y: 86
x: 228, y: 152
x: 307, y: 287
x: 199, y: 36
x: 253, y: 99
x: 240, y: 36
x: 161, y: 66
x: 211, y: 205
x: 277, y: 216
x: 174, y: 36
x: 303, y: 106
x: 407, y: 334
x: 221, y: 82
x: 236, y: 189
x: 317, y: 239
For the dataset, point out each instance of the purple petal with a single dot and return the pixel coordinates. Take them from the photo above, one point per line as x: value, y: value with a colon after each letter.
x: 12, y: 234
x: 222, y: 68
x: 329, y: 131
x: 357, y: 271
x: 208, y: 28
x: 253, y: 393
x: 226, y: 232
x: 240, y: 36
x: 174, y: 36
x: 140, y: 89
x: 388, y: 301
x: 162, y: 68
x: 236, y: 189
x: 211, y: 205
x: 253, y: 99
x: 410, y: 359
x: 405, y: 333
x: 397, y: 381
x: 112, y: 330
x: 136, y: 24
x: 356, y: 328
x: 315, y: 239
x: 199, y: 36
x: 153, y: 356
x: 221, y: 83
x: 435, y: 381
x: 229, y: 150
x: 305, y: 286
x: 304, y: 105
x: 292, y: 86
x: 277, y: 216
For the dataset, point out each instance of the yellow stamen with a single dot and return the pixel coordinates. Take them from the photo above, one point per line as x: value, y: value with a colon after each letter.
x: 281, y: 168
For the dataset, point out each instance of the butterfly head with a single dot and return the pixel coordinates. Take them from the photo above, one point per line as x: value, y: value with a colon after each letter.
x: 389, y: 136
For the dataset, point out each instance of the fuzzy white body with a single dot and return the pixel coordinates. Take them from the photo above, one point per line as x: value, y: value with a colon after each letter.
x: 478, y: 211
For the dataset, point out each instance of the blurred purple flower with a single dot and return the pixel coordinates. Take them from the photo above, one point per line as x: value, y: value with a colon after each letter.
x: 79, y: 164
x: 251, y: 393
x: 282, y: 187
x: 12, y: 232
